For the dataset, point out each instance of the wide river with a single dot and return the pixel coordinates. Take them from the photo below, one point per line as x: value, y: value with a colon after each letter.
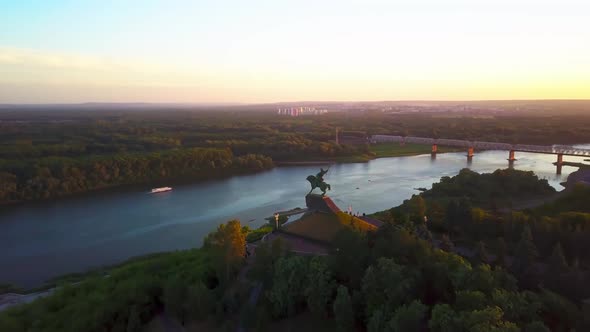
x: 43, y: 240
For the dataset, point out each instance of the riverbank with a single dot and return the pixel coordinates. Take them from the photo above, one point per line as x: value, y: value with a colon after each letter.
x: 139, y: 186
x: 106, y: 229
x: 383, y: 150
x: 581, y: 176
x: 380, y: 150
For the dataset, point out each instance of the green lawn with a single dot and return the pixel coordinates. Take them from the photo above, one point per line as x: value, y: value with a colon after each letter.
x: 396, y: 150
x: 257, y: 234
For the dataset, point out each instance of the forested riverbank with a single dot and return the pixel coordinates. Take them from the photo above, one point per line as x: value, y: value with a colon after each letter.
x: 52, y: 177
x: 401, y: 277
x: 67, y: 152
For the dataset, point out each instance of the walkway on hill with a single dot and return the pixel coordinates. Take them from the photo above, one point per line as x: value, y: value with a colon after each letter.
x: 375, y: 222
x: 299, y: 245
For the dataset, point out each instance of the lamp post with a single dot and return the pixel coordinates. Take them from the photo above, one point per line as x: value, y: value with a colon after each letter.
x: 276, y: 221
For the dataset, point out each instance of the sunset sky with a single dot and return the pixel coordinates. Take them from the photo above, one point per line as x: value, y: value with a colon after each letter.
x: 54, y: 51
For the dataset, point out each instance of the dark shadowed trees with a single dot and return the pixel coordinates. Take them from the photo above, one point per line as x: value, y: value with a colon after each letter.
x: 557, y: 262
x: 320, y: 286
x: 446, y: 244
x: 526, y: 252
x: 410, y: 317
x: 343, y: 312
x: 288, y: 285
x: 481, y: 253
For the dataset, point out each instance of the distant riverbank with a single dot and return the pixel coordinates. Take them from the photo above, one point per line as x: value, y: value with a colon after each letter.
x: 582, y: 175
x: 381, y: 150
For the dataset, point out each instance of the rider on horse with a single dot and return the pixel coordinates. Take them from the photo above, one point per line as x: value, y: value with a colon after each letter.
x: 317, y: 181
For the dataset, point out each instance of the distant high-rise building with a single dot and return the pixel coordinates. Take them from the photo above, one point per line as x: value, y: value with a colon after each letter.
x: 300, y: 111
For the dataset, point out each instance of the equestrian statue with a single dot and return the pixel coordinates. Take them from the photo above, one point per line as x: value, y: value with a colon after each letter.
x: 317, y: 181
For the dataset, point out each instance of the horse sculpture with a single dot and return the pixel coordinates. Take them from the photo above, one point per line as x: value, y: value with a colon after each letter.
x: 317, y: 181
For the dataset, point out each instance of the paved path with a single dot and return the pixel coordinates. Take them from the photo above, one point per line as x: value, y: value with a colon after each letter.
x: 298, y: 244
x: 290, y: 212
x: 375, y: 222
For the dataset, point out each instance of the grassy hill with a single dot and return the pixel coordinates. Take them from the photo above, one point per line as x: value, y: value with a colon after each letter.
x: 324, y: 226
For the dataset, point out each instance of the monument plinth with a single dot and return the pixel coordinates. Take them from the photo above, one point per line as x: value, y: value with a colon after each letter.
x: 321, y: 203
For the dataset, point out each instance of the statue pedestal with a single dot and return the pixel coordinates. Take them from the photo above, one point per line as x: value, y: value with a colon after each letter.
x: 315, y: 202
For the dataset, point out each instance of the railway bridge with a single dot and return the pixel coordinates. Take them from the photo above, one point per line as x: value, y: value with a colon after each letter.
x: 471, y: 146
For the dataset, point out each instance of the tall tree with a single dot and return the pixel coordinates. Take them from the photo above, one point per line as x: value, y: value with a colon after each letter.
x: 481, y: 253
x: 377, y: 322
x: 199, y: 301
x: 488, y: 319
x: 288, y: 285
x: 443, y: 319
x: 423, y: 232
x: 446, y: 244
x: 228, y: 245
x: 557, y: 262
x: 343, y: 312
x: 464, y: 213
x: 386, y: 286
x: 409, y: 318
x: 134, y: 320
x: 536, y: 326
x: 320, y: 286
x: 452, y: 216
x: 267, y: 254
x: 501, y: 253
x: 174, y: 298
x: 526, y: 251
x: 417, y: 208
x: 350, y: 257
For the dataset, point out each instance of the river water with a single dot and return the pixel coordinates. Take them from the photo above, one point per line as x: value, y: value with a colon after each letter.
x: 43, y: 240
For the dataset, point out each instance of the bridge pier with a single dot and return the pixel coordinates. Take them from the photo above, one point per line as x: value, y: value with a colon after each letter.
x: 433, y: 151
x: 511, y: 159
x: 511, y: 156
x: 470, y: 153
x: 559, y: 163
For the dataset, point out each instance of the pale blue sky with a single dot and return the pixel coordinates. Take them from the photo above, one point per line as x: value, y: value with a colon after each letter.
x: 262, y: 51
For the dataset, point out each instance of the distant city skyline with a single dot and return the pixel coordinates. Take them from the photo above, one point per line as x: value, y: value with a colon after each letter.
x: 60, y: 51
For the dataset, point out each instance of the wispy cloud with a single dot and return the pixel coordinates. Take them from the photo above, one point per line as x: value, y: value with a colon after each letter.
x: 27, y: 57
x: 34, y: 66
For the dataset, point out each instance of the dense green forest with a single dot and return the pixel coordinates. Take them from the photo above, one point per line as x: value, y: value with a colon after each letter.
x: 468, y: 266
x: 59, y: 176
x: 52, y: 153
x: 547, y: 245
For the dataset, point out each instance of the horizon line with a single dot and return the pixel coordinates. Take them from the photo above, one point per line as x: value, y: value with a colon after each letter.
x: 286, y: 102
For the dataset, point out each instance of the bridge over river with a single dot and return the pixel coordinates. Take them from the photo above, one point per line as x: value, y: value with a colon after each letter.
x: 471, y: 146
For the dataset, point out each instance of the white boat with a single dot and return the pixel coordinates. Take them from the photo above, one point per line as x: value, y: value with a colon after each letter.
x: 160, y: 190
